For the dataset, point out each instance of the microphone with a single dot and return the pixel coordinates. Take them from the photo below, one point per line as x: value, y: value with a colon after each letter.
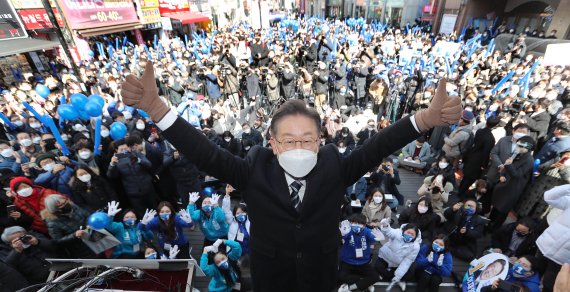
x: 515, y: 153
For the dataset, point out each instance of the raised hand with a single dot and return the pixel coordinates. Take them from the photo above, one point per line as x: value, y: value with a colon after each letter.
x: 430, y: 257
x: 142, y: 93
x: 113, y: 208
x: 215, y: 199
x: 148, y: 215
x: 185, y: 216
x: 173, y: 252
x: 344, y: 227
x: 195, y: 196
x: 444, y: 110
x: 440, y: 260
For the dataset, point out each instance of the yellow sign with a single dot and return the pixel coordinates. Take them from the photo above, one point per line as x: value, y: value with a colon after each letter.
x: 150, y: 15
x: 148, y: 3
x: 32, y: 4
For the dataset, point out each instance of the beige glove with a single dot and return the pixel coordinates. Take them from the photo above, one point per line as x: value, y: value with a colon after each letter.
x: 143, y: 94
x: 443, y: 110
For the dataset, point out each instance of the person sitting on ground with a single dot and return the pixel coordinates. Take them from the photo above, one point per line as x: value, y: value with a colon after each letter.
x: 434, y: 262
x: 465, y: 227
x: 515, y: 239
x: 438, y: 188
x: 376, y: 208
x: 418, y: 152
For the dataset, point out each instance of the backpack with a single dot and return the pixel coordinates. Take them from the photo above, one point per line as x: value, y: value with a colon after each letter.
x: 466, y: 145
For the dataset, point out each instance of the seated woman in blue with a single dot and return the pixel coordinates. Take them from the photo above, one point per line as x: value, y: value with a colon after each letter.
x: 355, y: 270
x: 219, y: 261
x: 211, y: 218
x: 128, y: 233
x: 168, y: 225
x: 433, y: 263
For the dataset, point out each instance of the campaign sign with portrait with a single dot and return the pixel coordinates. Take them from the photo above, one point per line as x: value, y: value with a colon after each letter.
x: 484, y: 271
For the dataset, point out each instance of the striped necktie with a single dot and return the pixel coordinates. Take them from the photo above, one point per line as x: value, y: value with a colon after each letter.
x: 295, y: 187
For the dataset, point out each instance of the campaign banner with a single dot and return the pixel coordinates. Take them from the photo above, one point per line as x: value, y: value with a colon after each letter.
x: 10, y: 25
x: 172, y: 6
x: 557, y: 54
x: 485, y: 271
x: 442, y: 49
x: 38, y: 18
x: 97, y: 13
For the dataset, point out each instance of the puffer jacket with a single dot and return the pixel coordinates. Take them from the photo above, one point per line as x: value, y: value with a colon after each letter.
x: 62, y: 230
x: 217, y: 282
x: 397, y: 253
x: 432, y: 267
x: 135, y: 175
x: 131, y: 238
x: 26, y: 207
x: 214, y: 227
x: 58, y: 181
x: 438, y: 200
x: 452, y: 144
x: 554, y: 243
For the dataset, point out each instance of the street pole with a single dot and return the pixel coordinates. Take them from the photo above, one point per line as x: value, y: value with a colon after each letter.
x: 383, y: 15
x: 60, y: 36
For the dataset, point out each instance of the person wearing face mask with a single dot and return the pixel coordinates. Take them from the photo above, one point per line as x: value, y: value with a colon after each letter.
x: 27, y: 147
x: 457, y: 143
x: 387, y: 178
x: 376, y: 208
x: 55, y: 175
x: 210, y: 217
x: 434, y: 262
x: 418, y: 152
x: 251, y: 135
x: 230, y: 143
x: 300, y: 174
x: 503, y: 150
x: 395, y: 257
x: 515, y: 239
x: 29, y: 199
x: 445, y: 168
x: 239, y: 224
x: 346, y: 137
x: 538, y: 121
x: 91, y: 191
x: 86, y: 157
x: 128, y: 232
x: 523, y: 275
x: 169, y: 228
x: 421, y: 214
x: 10, y: 159
x: 66, y: 223
x: 28, y: 253
x: 556, y: 144
x: 438, y: 189
x: 245, y: 147
x: 513, y: 180
x: 221, y: 265
x: 355, y: 269
x: 35, y: 125
x: 367, y: 132
x: 465, y: 227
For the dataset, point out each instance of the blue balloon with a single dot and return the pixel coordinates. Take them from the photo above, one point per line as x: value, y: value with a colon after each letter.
x: 91, y: 53
x: 208, y: 191
x: 42, y: 90
x: 68, y: 112
x: 83, y: 115
x: 143, y: 113
x: 98, y: 220
x: 97, y: 99
x: 93, y: 109
x: 118, y: 130
x: 78, y: 100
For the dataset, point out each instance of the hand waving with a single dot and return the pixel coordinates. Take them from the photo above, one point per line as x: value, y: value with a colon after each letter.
x: 185, y: 216
x: 148, y: 215
x: 113, y: 208
x: 195, y: 196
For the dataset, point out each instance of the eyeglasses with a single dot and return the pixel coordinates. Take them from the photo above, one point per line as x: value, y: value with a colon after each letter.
x: 290, y: 144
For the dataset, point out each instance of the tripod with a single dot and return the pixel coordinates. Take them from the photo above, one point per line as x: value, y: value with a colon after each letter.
x: 393, y: 104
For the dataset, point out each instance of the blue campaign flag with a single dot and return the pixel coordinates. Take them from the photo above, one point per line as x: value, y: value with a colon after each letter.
x: 117, y: 43
x: 470, y: 69
x: 502, y: 82
x: 7, y: 121
x: 96, y: 150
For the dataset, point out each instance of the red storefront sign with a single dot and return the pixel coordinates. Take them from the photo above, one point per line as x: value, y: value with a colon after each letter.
x: 173, y: 6
x: 38, y: 18
x: 98, y: 13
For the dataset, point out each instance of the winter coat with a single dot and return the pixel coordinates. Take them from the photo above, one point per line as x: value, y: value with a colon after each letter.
x: 554, y: 243
x: 438, y: 200
x: 477, y: 157
x: 499, y: 154
x: 321, y: 82
x: 363, y: 135
x: 458, y: 219
x: 426, y: 222
x: 423, y: 264
x: 214, y: 227
x: 397, y: 253
x: 532, y: 203
x: 131, y: 238
x: 217, y: 281
x: 360, y: 74
x: 31, y: 262
x: 96, y: 196
x: 351, y: 242
x: 507, y: 194
x: 10, y: 163
x: 532, y: 282
x: 212, y: 87
x: 502, y: 239
x: 410, y: 149
x: 538, y: 125
x: 58, y: 181
x: 452, y: 144
x: 62, y: 230
x: 134, y: 175
x: 21, y: 203
x: 552, y: 148
x: 374, y: 213
x: 179, y: 225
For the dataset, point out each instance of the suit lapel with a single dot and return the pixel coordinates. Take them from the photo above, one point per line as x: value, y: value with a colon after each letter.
x: 280, y: 186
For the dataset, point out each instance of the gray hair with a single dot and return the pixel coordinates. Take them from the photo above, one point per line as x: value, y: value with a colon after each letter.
x: 51, y: 202
x: 9, y: 231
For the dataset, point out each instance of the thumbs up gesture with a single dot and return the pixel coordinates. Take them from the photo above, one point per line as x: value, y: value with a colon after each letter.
x: 443, y: 110
x: 142, y: 93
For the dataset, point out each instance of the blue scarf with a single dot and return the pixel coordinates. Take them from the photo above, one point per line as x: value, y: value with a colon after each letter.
x: 245, y: 243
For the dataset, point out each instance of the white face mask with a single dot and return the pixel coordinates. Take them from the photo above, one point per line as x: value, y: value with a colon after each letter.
x: 298, y: 162
x: 518, y: 135
x: 247, y: 131
x: 104, y: 133
x: 341, y: 150
x: 140, y: 126
x: 8, y: 152
x: 86, y: 135
x: 227, y: 139
x: 37, y: 140
x: 494, y: 107
x: 26, y: 142
x: 49, y: 167
x: 64, y: 138
x: 422, y: 209
x: 84, y: 154
x: 25, y: 192
x: 18, y: 123
x: 35, y: 125
x: 377, y: 200
x: 85, y: 178
x: 443, y: 165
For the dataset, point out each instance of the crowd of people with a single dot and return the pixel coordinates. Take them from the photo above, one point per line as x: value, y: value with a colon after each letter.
x: 505, y: 160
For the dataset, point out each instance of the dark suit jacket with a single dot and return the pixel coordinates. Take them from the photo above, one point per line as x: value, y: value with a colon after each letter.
x: 478, y: 155
x: 499, y: 154
x: 502, y: 239
x: 291, y: 251
x: 538, y: 125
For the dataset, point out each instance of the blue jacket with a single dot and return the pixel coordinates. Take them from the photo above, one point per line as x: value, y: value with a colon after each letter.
x: 532, y: 282
x: 552, y: 148
x: 218, y: 283
x: 422, y: 262
x: 58, y: 182
x: 213, y: 227
x: 180, y: 239
x: 212, y: 87
x: 131, y: 238
x: 11, y: 164
x: 353, y: 241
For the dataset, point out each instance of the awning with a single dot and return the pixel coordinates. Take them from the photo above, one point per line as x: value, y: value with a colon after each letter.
x: 16, y: 46
x: 108, y: 29
x: 188, y: 17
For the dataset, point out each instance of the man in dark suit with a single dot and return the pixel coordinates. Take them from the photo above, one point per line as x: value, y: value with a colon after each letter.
x: 557, y: 144
x: 539, y: 121
x: 502, y: 151
x: 294, y: 191
x: 515, y: 239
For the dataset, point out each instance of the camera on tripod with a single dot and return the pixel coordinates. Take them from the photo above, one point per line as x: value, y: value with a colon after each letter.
x: 280, y: 69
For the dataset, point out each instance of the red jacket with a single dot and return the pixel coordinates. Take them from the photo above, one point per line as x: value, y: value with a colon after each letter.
x: 38, y: 224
